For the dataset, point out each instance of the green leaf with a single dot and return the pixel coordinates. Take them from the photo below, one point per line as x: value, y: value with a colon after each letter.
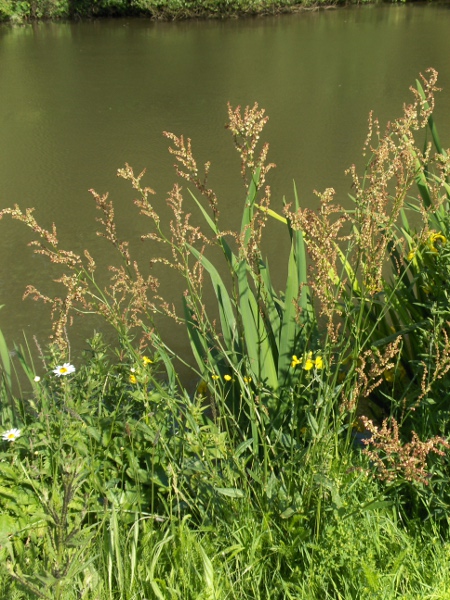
x: 286, y: 514
x: 208, y: 570
x: 313, y: 424
x: 226, y: 313
x: 243, y: 447
x: 229, y: 255
x: 247, y: 215
x: 230, y: 492
x: 270, y: 305
x: 199, y: 346
x: 290, y: 330
x: 257, y: 343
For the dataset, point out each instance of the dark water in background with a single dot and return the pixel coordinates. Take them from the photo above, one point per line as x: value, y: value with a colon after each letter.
x: 77, y: 101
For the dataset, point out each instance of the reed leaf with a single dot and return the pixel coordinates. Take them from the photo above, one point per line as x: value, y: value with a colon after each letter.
x: 200, y: 347
x: 226, y: 312
x: 259, y: 351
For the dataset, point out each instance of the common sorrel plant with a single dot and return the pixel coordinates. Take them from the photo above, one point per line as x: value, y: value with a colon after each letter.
x: 409, y: 230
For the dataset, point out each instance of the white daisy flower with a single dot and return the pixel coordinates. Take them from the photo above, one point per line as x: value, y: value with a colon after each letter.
x: 65, y: 369
x: 11, y: 435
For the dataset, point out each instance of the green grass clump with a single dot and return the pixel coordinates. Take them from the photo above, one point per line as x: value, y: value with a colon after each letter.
x: 311, y: 459
x: 113, y: 490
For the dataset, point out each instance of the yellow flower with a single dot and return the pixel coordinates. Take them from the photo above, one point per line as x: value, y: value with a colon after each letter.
x: 247, y: 379
x: 133, y: 378
x: 436, y: 238
x: 308, y: 362
x: 215, y: 377
x: 146, y: 360
x: 227, y: 377
x: 295, y: 361
x: 411, y: 254
x: 318, y: 363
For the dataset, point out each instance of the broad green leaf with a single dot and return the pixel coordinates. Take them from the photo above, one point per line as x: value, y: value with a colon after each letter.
x: 208, y: 573
x: 270, y: 304
x: 296, y: 293
x: 231, y: 492
x: 199, y: 345
x: 376, y: 505
x: 299, y: 244
x: 243, y: 447
x: 257, y: 343
x: 226, y: 313
x: 289, y: 331
x: 313, y: 424
x: 288, y: 513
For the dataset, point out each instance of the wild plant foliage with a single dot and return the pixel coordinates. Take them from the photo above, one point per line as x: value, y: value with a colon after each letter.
x: 316, y: 406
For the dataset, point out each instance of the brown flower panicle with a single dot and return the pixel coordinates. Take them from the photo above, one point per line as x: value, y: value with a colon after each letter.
x: 396, y: 459
x: 323, y: 232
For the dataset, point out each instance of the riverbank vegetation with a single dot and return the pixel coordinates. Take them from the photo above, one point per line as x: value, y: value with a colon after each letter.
x: 20, y: 11
x: 312, y: 459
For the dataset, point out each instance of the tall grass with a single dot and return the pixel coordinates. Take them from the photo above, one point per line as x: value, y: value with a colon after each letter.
x: 311, y: 460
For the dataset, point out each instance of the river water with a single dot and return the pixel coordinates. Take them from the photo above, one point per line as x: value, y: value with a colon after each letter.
x: 77, y: 101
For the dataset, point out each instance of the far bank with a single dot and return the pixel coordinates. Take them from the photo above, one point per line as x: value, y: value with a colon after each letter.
x: 16, y: 11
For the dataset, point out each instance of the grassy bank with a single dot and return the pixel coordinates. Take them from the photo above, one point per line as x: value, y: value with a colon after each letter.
x: 16, y: 11
x: 312, y: 459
